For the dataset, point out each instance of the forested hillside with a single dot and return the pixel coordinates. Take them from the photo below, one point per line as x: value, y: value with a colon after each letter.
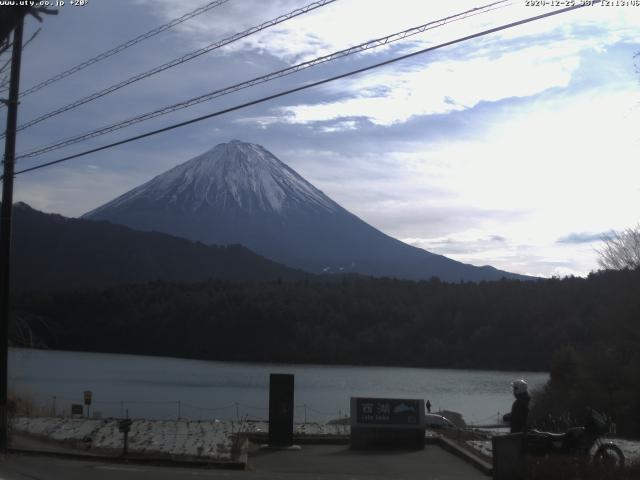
x: 502, y: 325
x: 54, y: 252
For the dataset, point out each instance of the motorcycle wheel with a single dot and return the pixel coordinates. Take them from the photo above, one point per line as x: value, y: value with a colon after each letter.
x: 608, y: 456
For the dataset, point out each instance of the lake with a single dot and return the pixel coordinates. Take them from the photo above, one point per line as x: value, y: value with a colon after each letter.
x: 165, y: 388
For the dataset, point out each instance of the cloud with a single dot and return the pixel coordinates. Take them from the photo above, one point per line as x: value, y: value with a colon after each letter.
x: 466, y: 246
x: 332, y: 27
x: 582, y: 237
x: 535, y: 258
x: 443, y: 87
x: 340, y: 126
x: 329, y: 28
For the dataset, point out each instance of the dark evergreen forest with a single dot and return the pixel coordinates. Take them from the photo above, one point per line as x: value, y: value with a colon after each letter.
x: 585, y: 331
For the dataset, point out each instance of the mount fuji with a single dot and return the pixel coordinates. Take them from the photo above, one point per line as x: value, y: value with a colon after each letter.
x: 239, y: 192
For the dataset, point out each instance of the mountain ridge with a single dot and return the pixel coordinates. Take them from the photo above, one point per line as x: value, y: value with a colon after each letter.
x: 50, y: 251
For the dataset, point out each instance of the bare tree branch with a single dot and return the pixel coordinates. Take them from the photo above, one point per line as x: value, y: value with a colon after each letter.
x: 621, y: 250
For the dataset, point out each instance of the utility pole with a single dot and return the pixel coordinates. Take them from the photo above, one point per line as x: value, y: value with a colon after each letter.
x: 5, y: 229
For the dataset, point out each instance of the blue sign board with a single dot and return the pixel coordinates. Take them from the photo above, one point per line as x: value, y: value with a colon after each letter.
x: 389, y: 412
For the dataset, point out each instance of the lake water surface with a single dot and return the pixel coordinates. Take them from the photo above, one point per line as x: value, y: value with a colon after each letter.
x: 165, y: 388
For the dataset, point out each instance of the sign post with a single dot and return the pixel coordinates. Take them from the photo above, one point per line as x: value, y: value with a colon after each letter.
x: 387, y: 422
x: 77, y: 410
x: 124, y: 426
x: 87, y: 400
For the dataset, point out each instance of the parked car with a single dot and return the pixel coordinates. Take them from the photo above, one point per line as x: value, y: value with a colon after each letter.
x: 435, y: 421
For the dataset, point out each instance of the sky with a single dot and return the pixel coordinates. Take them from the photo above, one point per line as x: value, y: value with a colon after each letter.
x: 516, y: 149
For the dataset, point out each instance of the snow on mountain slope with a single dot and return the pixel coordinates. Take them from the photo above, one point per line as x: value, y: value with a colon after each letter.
x: 233, y: 175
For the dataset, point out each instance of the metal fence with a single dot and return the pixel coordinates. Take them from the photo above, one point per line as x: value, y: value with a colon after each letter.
x: 179, y: 410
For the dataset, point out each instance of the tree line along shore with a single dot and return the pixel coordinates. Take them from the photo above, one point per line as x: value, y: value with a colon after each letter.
x: 584, y: 331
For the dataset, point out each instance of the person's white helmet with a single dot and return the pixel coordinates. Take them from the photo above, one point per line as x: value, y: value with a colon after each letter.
x: 519, y: 387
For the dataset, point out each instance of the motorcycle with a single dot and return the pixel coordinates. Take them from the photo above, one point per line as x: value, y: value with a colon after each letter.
x: 587, y: 442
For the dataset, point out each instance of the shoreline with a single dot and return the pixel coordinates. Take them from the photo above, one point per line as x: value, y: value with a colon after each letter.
x: 284, y: 364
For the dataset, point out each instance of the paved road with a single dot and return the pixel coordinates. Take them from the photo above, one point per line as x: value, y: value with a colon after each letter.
x: 312, y: 462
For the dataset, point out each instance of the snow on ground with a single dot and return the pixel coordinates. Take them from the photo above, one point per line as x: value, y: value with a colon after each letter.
x: 211, y: 440
x: 68, y: 429
x: 482, y: 446
x: 630, y: 448
x: 207, y: 440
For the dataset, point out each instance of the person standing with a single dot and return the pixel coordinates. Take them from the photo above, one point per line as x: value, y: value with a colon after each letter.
x: 520, y: 407
x: 428, y: 406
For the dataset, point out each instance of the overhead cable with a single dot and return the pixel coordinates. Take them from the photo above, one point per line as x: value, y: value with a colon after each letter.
x: 309, y: 85
x: 178, y: 61
x: 124, y: 46
x: 263, y: 79
x: 8, y: 61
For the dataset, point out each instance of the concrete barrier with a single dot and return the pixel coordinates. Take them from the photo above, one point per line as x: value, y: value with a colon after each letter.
x: 508, y: 456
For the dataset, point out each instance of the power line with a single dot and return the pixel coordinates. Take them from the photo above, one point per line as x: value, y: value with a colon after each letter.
x: 8, y: 62
x: 309, y: 85
x: 124, y: 46
x: 179, y: 61
x: 264, y: 78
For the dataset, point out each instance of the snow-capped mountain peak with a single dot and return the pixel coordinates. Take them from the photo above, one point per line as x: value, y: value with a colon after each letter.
x: 234, y: 175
